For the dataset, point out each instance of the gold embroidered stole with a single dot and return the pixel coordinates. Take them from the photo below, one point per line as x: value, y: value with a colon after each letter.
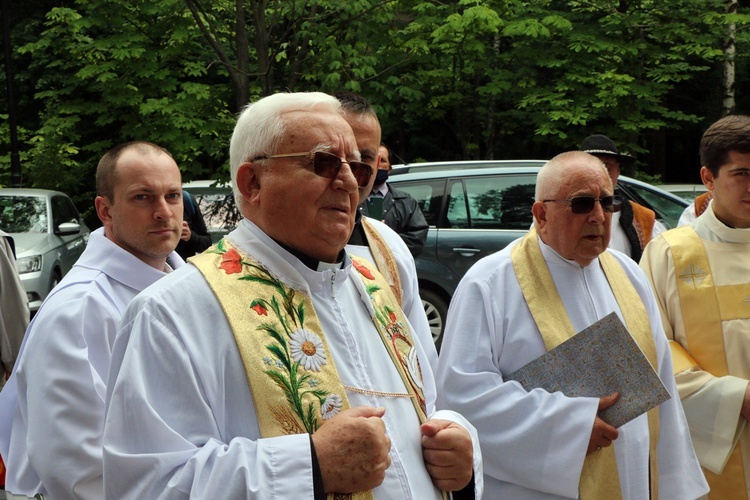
x: 384, y: 258
x: 288, y: 363
x: 599, y: 477
x: 705, y: 306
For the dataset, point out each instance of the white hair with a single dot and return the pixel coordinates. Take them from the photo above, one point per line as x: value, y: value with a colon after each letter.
x: 261, y: 127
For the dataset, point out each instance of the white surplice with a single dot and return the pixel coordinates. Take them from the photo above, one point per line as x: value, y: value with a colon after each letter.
x: 712, y: 404
x: 533, y: 442
x: 52, y: 409
x: 181, y: 420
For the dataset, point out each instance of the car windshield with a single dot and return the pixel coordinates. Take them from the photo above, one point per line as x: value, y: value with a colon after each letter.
x: 23, y: 214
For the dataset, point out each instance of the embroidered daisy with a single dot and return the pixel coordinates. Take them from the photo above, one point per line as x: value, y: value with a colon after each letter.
x: 331, y: 406
x: 414, y: 370
x: 307, y: 349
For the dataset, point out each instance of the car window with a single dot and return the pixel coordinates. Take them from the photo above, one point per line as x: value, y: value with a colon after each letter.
x: 23, y: 214
x: 63, y: 211
x: 429, y: 196
x: 500, y: 202
x: 458, y: 215
x: 666, y: 209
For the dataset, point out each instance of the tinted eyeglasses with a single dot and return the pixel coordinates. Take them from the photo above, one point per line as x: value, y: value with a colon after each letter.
x: 327, y: 165
x: 585, y: 204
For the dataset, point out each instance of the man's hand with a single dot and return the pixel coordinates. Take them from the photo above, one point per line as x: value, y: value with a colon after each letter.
x: 448, y: 454
x: 745, y: 411
x: 352, y: 450
x: 603, y: 434
x: 185, y: 235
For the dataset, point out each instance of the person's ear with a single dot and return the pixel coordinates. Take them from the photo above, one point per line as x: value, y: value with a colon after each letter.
x: 103, y: 210
x: 539, y: 210
x: 707, y: 178
x: 248, y: 182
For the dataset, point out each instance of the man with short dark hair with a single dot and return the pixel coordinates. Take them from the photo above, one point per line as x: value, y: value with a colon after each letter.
x: 294, y: 373
x: 517, y: 304
x: 52, y: 410
x: 395, y: 208
x: 635, y: 225
x: 701, y: 276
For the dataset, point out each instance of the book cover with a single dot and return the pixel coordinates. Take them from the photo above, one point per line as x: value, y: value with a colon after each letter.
x: 601, y: 359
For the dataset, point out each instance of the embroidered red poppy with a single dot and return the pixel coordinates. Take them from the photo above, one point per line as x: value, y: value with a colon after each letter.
x: 392, y: 316
x: 363, y: 270
x: 231, y: 262
x: 258, y: 308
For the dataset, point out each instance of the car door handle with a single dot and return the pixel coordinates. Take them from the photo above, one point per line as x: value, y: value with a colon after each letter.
x: 466, y: 252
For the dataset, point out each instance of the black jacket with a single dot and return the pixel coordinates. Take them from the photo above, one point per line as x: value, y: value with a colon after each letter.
x: 402, y: 214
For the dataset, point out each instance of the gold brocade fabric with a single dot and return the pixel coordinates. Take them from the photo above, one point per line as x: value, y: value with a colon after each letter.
x: 288, y: 364
x: 384, y: 259
x: 704, y: 306
x: 599, y: 477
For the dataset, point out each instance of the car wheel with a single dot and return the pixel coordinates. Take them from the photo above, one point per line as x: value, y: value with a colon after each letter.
x: 436, y: 309
x: 54, y: 279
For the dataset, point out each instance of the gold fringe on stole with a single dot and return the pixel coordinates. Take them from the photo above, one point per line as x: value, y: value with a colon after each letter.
x: 704, y: 306
x: 266, y: 317
x: 384, y: 259
x: 599, y: 477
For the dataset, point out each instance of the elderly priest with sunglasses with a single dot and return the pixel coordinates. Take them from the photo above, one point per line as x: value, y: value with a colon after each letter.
x: 513, y: 306
x: 276, y: 365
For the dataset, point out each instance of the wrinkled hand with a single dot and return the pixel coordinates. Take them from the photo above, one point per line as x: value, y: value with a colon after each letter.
x: 352, y: 450
x: 448, y: 454
x: 185, y: 235
x: 603, y: 434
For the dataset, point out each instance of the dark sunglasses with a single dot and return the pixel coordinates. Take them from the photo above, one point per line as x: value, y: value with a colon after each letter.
x: 585, y: 204
x: 328, y: 165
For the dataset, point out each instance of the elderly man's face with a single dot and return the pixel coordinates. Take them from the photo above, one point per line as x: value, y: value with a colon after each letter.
x: 293, y: 205
x: 367, y: 134
x: 578, y: 237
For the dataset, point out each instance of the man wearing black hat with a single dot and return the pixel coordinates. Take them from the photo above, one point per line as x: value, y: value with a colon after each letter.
x: 634, y: 225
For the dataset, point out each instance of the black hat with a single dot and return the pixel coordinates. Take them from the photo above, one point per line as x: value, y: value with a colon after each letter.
x: 599, y: 144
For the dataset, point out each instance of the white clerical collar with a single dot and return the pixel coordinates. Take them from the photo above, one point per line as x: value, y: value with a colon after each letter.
x: 724, y: 232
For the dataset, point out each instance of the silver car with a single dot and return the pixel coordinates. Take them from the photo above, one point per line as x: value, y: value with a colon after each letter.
x: 49, y: 236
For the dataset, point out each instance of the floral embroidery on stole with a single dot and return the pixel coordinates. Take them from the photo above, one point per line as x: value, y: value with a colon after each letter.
x: 291, y: 373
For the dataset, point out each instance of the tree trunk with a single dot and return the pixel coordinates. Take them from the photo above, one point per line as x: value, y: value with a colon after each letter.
x: 728, y: 103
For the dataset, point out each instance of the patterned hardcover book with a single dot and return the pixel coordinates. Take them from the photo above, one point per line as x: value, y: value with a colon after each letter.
x: 598, y: 361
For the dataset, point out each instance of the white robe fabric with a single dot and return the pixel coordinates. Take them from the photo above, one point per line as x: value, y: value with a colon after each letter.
x: 181, y: 419
x: 52, y: 409
x: 533, y: 442
x: 14, y: 309
x: 712, y: 404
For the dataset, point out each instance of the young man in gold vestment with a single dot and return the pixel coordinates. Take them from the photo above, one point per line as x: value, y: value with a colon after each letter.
x: 701, y: 276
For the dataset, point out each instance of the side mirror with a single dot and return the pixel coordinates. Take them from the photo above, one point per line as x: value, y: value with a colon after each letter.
x: 68, y: 228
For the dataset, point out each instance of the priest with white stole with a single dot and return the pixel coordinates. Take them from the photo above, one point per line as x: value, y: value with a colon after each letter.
x: 276, y: 365
x: 701, y: 278
x: 514, y: 306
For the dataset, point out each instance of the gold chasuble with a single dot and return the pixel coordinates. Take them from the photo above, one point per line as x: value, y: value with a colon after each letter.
x: 705, y: 306
x: 599, y: 477
x: 289, y: 367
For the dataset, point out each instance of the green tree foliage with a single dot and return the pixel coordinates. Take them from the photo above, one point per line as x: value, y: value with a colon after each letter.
x: 461, y: 79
